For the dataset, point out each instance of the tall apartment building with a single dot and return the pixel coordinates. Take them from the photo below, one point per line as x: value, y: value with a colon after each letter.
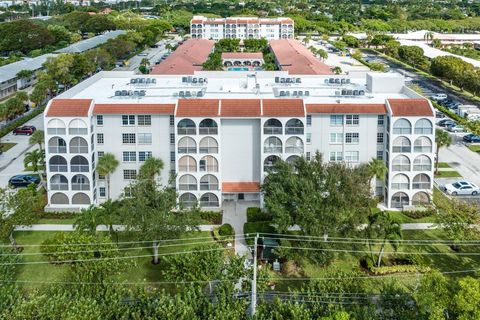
x: 220, y: 132
x: 241, y: 28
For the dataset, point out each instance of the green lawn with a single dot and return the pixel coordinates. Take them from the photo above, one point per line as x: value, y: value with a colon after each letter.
x: 447, y: 174
x: 403, y: 218
x: 474, y: 147
x: 5, y: 146
x: 142, y: 269
x: 443, y: 165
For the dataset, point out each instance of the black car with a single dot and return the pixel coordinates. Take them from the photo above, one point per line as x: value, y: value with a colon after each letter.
x: 23, y: 180
x: 446, y: 123
x: 471, y: 138
x: 445, y: 102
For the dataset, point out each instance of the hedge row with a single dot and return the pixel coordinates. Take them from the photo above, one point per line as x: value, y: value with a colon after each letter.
x: 255, y: 214
x: 399, y: 269
x: 214, y: 217
x: 418, y: 214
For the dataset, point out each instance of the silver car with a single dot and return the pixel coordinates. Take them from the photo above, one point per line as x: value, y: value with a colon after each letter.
x: 462, y: 188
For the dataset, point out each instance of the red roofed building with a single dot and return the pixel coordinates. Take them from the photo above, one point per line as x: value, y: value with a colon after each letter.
x: 68, y: 108
x: 410, y: 107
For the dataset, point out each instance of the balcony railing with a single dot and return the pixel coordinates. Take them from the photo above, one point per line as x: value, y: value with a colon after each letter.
x: 422, y: 149
x: 422, y: 167
x: 208, y: 149
x: 399, y: 186
x: 294, y: 130
x: 59, y: 149
x: 79, y: 167
x: 402, y: 131
x: 272, y: 149
x: 78, y: 149
x: 187, y: 168
x: 210, y: 186
x: 398, y: 149
x: 188, y: 204
x: 184, y: 186
x: 187, y: 131
x: 56, y: 131
x: 421, y: 185
x: 423, y: 130
x: 401, y: 167
x: 187, y: 150
x: 208, y: 130
x: 78, y: 131
x: 58, y: 168
x: 294, y: 149
x: 209, y: 204
x: 399, y: 204
x: 59, y: 186
x: 272, y: 130
x: 209, y: 168
x: 80, y: 186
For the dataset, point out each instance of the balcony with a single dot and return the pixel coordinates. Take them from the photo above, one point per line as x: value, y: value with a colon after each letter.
x: 187, y: 150
x: 205, y: 168
x: 59, y: 186
x: 294, y: 149
x: 58, y: 168
x: 272, y: 149
x: 294, y: 130
x: 209, y: 204
x: 208, y: 149
x: 80, y: 186
x: 59, y: 149
x: 79, y: 167
x: 421, y: 185
x: 187, y: 131
x: 399, y: 186
x: 208, y: 131
x: 184, y: 186
x: 187, y: 168
x: 401, y: 167
x: 401, y: 149
x: 56, y: 131
x: 210, y: 186
x: 422, y: 167
x: 272, y: 130
x: 74, y: 131
x: 78, y: 149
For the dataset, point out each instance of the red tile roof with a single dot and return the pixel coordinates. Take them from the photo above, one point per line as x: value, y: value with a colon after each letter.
x: 240, y: 187
x: 240, y: 108
x: 69, y: 108
x: 410, y: 107
x: 188, y: 58
x: 197, y: 108
x: 295, y: 58
x: 242, y: 55
x: 283, y: 108
x: 131, y: 108
x: 346, y: 108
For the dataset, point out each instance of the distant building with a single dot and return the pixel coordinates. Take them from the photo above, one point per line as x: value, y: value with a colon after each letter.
x: 241, y: 28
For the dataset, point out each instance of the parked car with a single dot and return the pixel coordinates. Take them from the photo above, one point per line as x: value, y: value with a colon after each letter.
x: 23, y: 180
x: 28, y: 130
x: 471, y: 138
x: 439, y: 115
x: 439, y: 97
x: 456, y: 128
x: 446, y: 122
x: 444, y: 102
x: 143, y: 54
x: 452, y: 106
x: 462, y: 188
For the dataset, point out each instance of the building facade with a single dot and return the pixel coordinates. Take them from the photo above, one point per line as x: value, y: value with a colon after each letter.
x: 220, y: 132
x: 241, y: 28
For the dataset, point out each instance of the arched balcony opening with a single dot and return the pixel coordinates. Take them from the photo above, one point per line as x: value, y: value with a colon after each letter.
x: 187, y: 182
x: 59, y: 198
x: 400, y: 181
x: 272, y: 145
x: 79, y: 164
x: 400, y: 200
x: 422, y: 163
x: 58, y: 182
x: 208, y: 127
x: 78, y: 145
x: 421, y: 199
x: 208, y: 145
x: 57, y: 145
x: 269, y: 163
x: 294, y: 145
x: 187, y: 145
x: 208, y: 164
x: 209, y: 182
x: 272, y: 126
x: 402, y: 126
x: 423, y: 126
x: 80, y: 182
x: 401, y: 145
x: 209, y: 200
x: 77, y: 127
x: 421, y: 181
x: 401, y: 163
x: 188, y: 200
x: 294, y: 126
x: 186, y: 126
x: 187, y: 164
x: 81, y: 198
x: 56, y: 126
x: 57, y: 164
x: 422, y: 144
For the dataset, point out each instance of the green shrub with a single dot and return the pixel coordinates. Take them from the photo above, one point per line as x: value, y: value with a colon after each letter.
x: 252, y: 228
x: 418, y: 214
x: 399, y: 269
x: 226, y: 230
x: 255, y: 214
x: 58, y: 215
x: 214, y: 217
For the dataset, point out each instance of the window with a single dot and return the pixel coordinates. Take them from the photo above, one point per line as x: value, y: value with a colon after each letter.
x: 100, y: 139
x: 128, y: 137
x: 308, y: 156
x: 380, y: 155
x: 128, y: 120
x: 352, y: 119
x: 309, y: 120
x: 127, y: 191
x: 129, y: 156
x: 100, y: 154
x: 172, y: 156
x: 336, y: 156
x: 145, y: 138
x: 172, y: 138
x: 351, y: 156
x: 172, y: 121
x: 336, y: 137
x: 309, y: 137
x: 380, y: 137
x: 380, y: 120
x: 144, y: 120
x: 336, y: 120
x: 352, y: 138
x: 144, y: 155
x: 99, y: 120
x: 129, y: 174
x: 102, y: 192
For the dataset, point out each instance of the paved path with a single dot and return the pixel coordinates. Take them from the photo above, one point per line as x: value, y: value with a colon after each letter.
x: 69, y: 227
x: 235, y: 213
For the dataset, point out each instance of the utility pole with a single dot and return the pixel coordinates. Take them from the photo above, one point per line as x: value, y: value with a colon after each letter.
x: 254, y: 279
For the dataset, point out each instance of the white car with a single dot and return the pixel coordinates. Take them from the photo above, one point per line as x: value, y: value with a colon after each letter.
x: 456, y: 128
x: 462, y: 188
x: 439, y: 97
x: 143, y: 54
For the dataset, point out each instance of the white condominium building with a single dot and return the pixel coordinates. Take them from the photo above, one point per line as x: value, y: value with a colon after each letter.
x: 241, y: 28
x: 220, y: 132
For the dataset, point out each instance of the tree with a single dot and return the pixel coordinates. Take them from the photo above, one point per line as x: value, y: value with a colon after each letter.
x: 24, y: 74
x: 143, y: 65
x: 106, y: 214
x: 433, y: 296
x: 442, y: 139
x: 39, y: 93
x: 35, y: 160
x: 107, y: 164
x: 337, y: 70
x: 467, y: 299
x: 82, y: 67
x: 436, y: 43
x: 148, y: 213
x: 413, y: 55
x: 322, y: 53
x: 384, y: 229
x: 377, y: 169
x: 38, y: 137
x: 24, y: 35
x: 59, y: 68
x: 14, y: 107
x: 97, y: 24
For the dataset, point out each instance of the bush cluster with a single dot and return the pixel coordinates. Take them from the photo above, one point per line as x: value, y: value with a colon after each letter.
x: 226, y: 230
x: 255, y: 214
x: 418, y: 214
x: 214, y: 217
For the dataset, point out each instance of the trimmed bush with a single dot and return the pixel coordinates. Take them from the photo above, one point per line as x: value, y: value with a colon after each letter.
x: 254, y: 227
x: 226, y: 230
x: 398, y: 269
x: 418, y: 214
x: 214, y: 217
x: 255, y: 214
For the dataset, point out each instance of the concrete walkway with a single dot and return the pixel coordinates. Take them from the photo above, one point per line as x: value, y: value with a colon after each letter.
x: 69, y: 227
x: 235, y: 213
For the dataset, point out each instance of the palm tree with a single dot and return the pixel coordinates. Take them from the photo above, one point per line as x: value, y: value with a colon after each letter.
x: 150, y: 168
x: 377, y: 169
x: 35, y: 159
x: 382, y: 229
x: 38, y: 137
x: 442, y: 139
x: 107, y: 164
